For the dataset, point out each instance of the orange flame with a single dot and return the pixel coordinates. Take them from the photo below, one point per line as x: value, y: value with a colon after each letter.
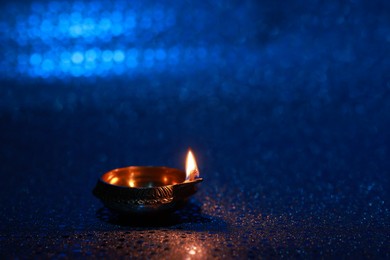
x: 192, y: 171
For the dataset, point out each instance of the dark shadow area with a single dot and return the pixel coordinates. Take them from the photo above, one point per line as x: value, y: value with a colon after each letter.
x: 190, y: 217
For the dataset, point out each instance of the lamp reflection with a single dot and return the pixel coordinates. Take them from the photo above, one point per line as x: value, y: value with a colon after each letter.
x: 192, y: 251
x: 195, y: 252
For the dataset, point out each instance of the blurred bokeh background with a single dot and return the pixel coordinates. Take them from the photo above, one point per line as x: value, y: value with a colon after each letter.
x: 285, y: 104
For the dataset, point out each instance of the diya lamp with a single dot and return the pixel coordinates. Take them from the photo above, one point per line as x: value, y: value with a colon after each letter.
x: 148, y: 189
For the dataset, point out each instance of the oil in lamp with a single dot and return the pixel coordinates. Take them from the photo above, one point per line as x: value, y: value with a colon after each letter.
x: 148, y: 189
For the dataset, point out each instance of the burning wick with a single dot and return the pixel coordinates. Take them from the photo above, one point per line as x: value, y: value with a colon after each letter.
x: 192, y: 171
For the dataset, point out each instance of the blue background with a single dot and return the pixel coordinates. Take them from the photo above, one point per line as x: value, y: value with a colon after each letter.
x: 285, y: 104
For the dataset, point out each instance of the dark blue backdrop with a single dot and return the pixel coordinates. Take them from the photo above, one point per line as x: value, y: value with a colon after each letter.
x: 285, y: 104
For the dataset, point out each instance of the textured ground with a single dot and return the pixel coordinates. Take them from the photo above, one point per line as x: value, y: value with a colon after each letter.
x: 292, y: 141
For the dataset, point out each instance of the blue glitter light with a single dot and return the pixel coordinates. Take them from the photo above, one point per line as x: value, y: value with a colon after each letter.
x: 77, y: 57
x: 85, y: 38
x: 119, y: 56
x: 35, y: 59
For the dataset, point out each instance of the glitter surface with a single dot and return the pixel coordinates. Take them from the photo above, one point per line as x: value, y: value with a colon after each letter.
x: 288, y: 120
x: 291, y: 183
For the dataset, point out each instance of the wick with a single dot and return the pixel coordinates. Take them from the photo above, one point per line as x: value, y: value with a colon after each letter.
x: 193, y: 175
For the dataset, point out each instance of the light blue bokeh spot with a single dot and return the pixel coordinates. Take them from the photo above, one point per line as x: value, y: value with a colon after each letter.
x: 35, y: 59
x: 48, y: 65
x: 77, y: 57
x: 107, y: 56
x: 119, y: 56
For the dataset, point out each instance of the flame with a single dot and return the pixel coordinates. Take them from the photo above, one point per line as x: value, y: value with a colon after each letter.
x: 131, y: 183
x: 192, y: 171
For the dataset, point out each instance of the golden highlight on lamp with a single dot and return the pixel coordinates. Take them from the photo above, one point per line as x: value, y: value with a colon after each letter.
x: 148, y: 189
